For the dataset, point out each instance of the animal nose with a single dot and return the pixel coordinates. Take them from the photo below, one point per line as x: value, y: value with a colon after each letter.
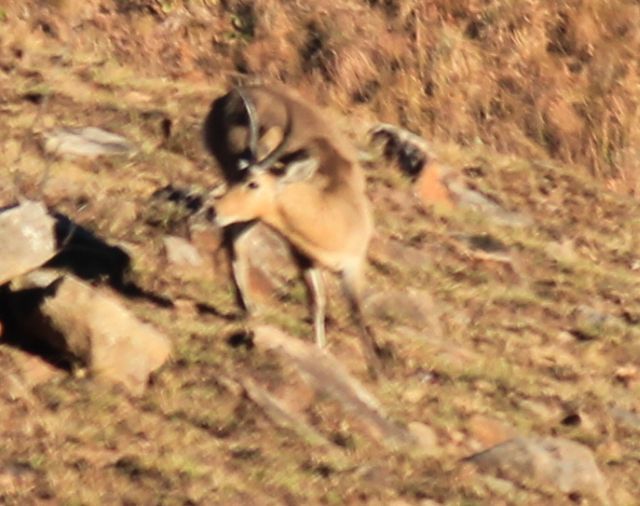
x: 210, y: 214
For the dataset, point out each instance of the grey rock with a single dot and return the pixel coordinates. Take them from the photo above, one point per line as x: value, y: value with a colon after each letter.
x: 182, y: 253
x: 86, y: 141
x: 625, y: 418
x: 559, y: 463
x: 591, y: 323
x: 413, y: 308
x: 280, y: 414
x: 475, y: 201
x: 26, y: 239
x: 328, y: 376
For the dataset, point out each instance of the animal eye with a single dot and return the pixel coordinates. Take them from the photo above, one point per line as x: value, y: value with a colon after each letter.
x: 252, y: 185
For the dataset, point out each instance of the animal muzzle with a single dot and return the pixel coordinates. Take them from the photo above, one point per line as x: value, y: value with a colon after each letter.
x: 213, y: 216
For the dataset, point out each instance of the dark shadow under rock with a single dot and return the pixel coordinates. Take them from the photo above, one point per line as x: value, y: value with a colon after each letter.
x: 86, y: 255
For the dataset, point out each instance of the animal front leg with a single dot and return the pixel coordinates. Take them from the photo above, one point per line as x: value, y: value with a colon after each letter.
x: 318, y: 298
x: 240, y: 267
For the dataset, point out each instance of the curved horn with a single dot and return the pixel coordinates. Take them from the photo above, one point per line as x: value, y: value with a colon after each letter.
x: 268, y: 161
x: 253, y: 124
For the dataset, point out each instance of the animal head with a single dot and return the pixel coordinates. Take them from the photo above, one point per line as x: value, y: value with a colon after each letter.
x: 257, y: 195
x: 262, y: 180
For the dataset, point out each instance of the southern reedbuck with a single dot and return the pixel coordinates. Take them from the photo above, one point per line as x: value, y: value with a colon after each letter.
x: 309, y: 188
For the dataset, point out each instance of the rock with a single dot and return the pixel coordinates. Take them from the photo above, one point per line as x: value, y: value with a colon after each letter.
x: 20, y: 372
x: 328, y: 376
x: 92, y: 326
x: 206, y: 239
x: 490, y: 431
x: 399, y: 502
x: 414, y: 395
x: 411, y: 151
x: 431, y: 187
x: 591, y: 323
x: 181, y: 252
x: 466, y: 198
x: 39, y: 278
x: 626, y: 374
x: 280, y: 415
x: 436, y: 183
x: 271, y: 266
x: 33, y: 369
x: 559, y: 463
x: 87, y: 141
x: 395, y: 252
x: 628, y: 419
x: 425, y: 436
x: 413, y: 308
x: 27, y: 239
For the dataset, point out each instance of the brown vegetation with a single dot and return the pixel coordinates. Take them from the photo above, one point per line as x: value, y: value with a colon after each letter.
x: 535, y: 78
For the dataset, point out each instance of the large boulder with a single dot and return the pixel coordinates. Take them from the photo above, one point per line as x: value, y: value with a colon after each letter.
x: 91, y: 326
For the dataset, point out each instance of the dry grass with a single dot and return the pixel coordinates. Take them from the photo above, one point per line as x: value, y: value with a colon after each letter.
x: 536, y: 78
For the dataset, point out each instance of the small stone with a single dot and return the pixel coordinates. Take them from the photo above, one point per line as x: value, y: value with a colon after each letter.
x: 611, y: 451
x: 406, y: 307
x: 626, y: 374
x: 414, y: 395
x: 206, y: 239
x: 425, y: 436
x: 490, y: 431
x: 87, y: 141
x: 185, y: 307
x: 625, y: 418
x: 544, y: 411
x: 182, y: 253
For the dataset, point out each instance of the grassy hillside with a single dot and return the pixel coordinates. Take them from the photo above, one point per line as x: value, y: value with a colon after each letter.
x: 534, y: 104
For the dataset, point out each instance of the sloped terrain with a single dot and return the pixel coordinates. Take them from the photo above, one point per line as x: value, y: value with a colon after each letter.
x: 528, y: 327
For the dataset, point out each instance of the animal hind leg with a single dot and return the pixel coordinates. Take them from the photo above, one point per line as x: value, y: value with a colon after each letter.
x: 352, y: 284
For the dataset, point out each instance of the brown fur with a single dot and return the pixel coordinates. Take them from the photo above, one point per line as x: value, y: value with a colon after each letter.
x: 314, y: 195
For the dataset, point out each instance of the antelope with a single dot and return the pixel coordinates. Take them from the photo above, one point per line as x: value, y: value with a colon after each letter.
x: 309, y: 188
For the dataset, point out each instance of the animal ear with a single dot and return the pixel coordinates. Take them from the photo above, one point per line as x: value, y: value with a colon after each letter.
x: 300, y: 169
